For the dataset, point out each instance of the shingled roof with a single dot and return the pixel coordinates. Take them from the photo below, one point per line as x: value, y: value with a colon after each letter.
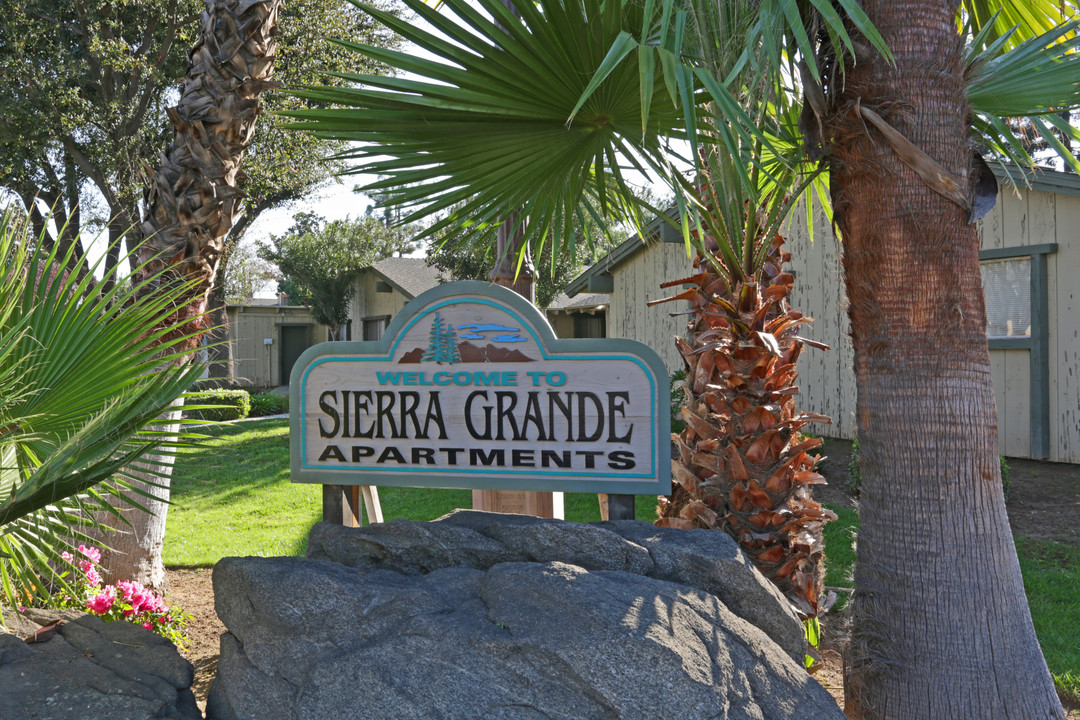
x: 409, y: 276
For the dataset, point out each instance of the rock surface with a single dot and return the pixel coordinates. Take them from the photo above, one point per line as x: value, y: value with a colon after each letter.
x: 485, y: 616
x: 90, y: 670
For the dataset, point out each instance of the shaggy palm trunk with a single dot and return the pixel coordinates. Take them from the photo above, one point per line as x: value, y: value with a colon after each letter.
x: 742, y: 464
x: 191, y: 203
x: 941, y: 625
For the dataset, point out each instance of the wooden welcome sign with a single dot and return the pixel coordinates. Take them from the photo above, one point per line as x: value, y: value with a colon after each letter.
x: 470, y: 388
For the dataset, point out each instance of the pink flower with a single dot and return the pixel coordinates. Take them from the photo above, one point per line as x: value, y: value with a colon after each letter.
x: 148, y: 626
x: 86, y: 566
x: 103, y: 601
x: 91, y: 552
x: 92, y: 576
x: 67, y: 557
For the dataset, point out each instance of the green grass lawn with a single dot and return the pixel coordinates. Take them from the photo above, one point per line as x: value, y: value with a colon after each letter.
x: 232, y: 496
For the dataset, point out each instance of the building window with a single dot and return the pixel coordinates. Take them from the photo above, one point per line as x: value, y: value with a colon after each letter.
x: 374, y: 327
x: 589, y: 326
x: 1007, y: 286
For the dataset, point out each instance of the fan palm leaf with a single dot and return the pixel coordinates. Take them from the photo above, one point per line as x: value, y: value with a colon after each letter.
x: 85, y: 371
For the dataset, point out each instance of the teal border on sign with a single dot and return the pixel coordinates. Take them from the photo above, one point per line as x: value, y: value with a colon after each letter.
x: 654, y: 480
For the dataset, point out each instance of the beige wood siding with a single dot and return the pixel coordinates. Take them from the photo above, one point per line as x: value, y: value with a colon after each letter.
x: 827, y: 382
x: 1034, y: 218
x: 636, y: 282
x: 367, y: 303
x: 826, y: 377
x: 257, y: 364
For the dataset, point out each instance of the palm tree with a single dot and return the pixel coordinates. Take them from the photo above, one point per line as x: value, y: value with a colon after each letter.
x: 938, y: 591
x: 84, y: 371
x: 191, y: 201
x: 492, y: 130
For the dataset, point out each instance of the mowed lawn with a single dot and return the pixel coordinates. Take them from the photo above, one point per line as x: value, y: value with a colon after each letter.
x: 232, y: 496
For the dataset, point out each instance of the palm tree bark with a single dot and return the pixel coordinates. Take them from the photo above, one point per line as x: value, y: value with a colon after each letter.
x: 192, y: 202
x: 941, y: 623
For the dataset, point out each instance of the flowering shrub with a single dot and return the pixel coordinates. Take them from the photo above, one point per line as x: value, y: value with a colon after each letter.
x: 124, y: 600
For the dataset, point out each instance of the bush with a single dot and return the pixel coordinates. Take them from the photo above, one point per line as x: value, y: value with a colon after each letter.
x: 233, y: 405
x: 269, y: 403
x: 854, y: 478
x: 678, y: 395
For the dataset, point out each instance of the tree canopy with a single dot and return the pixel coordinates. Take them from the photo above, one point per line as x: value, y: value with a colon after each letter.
x: 320, y: 260
x: 83, y: 91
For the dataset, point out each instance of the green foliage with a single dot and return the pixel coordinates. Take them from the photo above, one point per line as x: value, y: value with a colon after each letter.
x: 268, y: 403
x: 678, y: 396
x: 472, y: 256
x: 218, y: 405
x: 321, y: 260
x: 247, y: 274
x: 84, y: 372
x: 84, y: 86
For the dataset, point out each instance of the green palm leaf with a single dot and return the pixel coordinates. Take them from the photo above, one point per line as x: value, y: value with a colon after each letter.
x: 84, y: 373
x: 492, y: 125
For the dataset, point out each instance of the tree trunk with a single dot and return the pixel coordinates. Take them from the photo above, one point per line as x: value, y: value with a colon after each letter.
x: 941, y: 627
x: 192, y: 201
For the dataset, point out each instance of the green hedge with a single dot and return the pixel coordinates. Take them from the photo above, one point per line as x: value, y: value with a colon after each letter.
x: 269, y: 403
x: 233, y: 405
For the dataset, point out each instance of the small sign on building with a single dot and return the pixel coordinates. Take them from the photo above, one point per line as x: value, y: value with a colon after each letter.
x: 470, y: 388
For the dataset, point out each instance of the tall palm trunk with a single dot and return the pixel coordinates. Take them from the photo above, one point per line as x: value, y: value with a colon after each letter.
x: 941, y: 623
x: 191, y: 203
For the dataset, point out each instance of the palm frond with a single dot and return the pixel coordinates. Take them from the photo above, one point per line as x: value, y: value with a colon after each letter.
x: 84, y: 375
x: 485, y: 124
x: 1036, y: 79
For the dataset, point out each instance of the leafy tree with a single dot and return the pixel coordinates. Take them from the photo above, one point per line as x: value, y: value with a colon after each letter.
x: 323, y: 259
x: 83, y: 90
x: 81, y: 383
x: 248, y: 273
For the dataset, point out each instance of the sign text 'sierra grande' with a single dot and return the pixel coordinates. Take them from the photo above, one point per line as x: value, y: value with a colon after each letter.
x: 469, y: 388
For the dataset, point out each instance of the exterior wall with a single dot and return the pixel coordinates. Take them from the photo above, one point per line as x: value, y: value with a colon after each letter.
x: 562, y: 324
x: 1030, y: 217
x: 367, y: 303
x: 1034, y: 218
x: 638, y: 281
x: 255, y: 363
x: 826, y: 378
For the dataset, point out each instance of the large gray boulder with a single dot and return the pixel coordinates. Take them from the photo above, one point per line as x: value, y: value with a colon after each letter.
x: 91, y: 670
x: 495, y: 617
x: 703, y: 559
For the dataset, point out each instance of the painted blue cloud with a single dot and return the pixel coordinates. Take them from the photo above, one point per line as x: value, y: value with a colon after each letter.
x: 479, y: 328
x: 471, y: 337
x: 508, y: 338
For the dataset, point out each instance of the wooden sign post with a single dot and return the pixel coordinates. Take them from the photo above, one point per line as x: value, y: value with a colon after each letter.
x: 470, y: 388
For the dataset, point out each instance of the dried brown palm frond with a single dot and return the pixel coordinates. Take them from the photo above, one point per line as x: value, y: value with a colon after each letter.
x: 742, y: 463
x: 193, y: 197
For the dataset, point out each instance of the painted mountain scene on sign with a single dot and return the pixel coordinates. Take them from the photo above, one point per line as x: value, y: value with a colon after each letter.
x: 467, y: 352
x: 450, y: 345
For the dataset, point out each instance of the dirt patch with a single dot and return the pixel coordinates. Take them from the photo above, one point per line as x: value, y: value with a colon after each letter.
x: 193, y: 591
x: 1044, y: 505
